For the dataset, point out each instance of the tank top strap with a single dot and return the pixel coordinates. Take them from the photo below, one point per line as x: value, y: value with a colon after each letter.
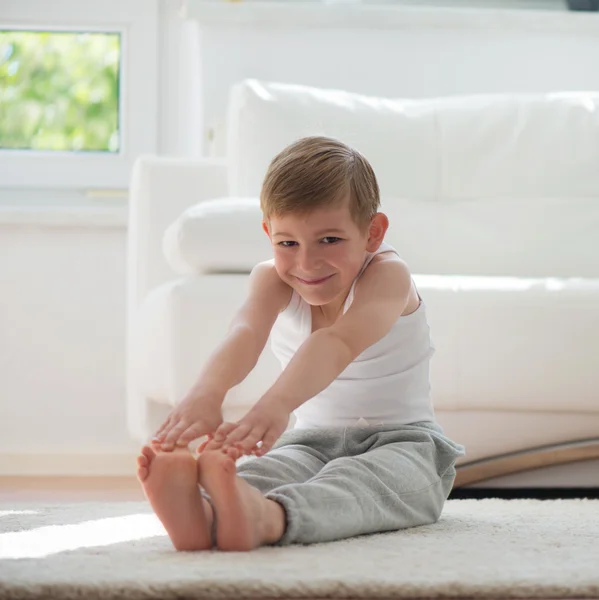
x: 384, y: 247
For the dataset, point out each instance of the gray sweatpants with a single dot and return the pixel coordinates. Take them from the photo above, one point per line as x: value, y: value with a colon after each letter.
x: 342, y: 482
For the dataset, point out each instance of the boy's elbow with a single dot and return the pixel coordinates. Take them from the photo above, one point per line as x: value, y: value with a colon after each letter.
x: 340, y: 347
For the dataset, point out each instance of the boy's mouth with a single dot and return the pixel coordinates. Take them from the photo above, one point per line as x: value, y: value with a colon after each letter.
x: 313, y: 281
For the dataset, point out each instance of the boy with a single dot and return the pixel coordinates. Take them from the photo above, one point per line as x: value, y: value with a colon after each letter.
x: 350, y: 329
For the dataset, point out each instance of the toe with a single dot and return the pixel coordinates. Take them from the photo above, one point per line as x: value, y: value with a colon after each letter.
x: 213, y: 445
x: 142, y: 473
x: 148, y: 452
x: 233, y: 452
x: 204, y: 444
x: 142, y: 461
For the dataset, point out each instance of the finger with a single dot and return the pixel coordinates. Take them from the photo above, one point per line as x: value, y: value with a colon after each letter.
x: 268, y: 441
x: 224, y: 430
x: 162, y: 426
x: 173, y: 435
x: 193, y: 432
x: 251, y: 439
x: 213, y: 445
x: 160, y: 433
x: 255, y: 450
x: 240, y: 449
x: 239, y: 433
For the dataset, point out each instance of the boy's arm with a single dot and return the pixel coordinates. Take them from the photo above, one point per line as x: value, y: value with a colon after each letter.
x: 199, y: 412
x: 381, y: 298
x: 237, y: 355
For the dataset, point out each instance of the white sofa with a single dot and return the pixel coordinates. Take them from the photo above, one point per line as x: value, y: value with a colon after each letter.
x: 494, y: 203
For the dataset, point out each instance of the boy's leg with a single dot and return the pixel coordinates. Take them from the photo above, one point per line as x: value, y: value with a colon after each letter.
x: 296, y: 457
x: 244, y: 517
x: 389, y: 487
x: 284, y: 465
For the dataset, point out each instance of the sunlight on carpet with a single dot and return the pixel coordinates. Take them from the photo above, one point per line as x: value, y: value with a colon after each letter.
x: 43, y: 541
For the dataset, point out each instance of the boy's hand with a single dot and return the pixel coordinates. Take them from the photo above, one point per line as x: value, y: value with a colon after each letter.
x: 195, y: 416
x: 265, y: 423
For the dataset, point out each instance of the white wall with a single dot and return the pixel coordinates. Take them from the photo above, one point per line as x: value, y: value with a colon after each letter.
x: 62, y: 278
x: 62, y: 347
x: 393, y: 51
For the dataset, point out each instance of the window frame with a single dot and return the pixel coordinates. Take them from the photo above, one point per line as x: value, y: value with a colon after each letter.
x: 137, y: 23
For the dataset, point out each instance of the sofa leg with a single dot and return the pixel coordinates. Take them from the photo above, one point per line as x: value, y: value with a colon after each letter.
x: 525, y: 460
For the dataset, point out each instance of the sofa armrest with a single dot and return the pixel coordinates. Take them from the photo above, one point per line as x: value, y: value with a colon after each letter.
x: 161, y: 189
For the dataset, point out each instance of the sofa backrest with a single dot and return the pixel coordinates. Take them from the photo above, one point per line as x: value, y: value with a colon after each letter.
x: 477, y: 185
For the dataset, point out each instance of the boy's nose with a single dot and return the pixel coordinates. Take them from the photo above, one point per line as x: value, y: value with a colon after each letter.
x: 309, y: 261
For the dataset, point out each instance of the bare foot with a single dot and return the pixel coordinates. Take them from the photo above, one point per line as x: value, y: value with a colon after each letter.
x: 170, y: 482
x: 245, y: 519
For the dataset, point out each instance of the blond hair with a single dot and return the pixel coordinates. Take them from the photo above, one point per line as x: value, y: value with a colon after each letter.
x: 316, y: 172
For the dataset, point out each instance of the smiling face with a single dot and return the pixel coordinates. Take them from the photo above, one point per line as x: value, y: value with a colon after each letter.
x: 320, y: 253
x: 320, y: 199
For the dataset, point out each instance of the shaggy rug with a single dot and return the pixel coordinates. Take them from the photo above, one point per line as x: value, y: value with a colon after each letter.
x: 478, y: 549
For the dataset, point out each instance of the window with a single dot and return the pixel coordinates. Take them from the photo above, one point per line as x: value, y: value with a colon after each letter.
x: 61, y: 91
x: 78, y: 92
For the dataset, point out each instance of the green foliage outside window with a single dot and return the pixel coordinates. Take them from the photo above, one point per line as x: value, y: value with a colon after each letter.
x: 59, y: 91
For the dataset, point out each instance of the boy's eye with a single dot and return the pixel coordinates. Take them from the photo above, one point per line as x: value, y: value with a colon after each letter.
x: 326, y: 240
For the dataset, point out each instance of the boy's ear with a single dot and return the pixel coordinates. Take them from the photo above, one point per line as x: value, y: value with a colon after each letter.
x: 265, y: 227
x: 376, y: 231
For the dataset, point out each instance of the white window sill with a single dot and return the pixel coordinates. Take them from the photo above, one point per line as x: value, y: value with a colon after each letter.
x: 64, y: 216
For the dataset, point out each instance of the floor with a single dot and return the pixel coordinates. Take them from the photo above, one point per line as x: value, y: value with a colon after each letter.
x: 69, y: 489
x: 89, y: 489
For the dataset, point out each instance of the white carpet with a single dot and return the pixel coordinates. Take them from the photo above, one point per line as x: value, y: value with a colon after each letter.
x: 479, y: 549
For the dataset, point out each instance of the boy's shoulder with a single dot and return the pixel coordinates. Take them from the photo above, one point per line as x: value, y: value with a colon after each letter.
x: 266, y: 273
x: 266, y: 283
x: 383, y: 294
x: 387, y: 281
x: 384, y: 266
x: 264, y: 267
x: 388, y: 254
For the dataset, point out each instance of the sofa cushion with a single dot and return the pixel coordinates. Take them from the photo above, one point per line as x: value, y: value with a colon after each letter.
x: 264, y: 117
x: 223, y: 235
x: 463, y: 147
x: 493, y: 349
x: 495, y: 185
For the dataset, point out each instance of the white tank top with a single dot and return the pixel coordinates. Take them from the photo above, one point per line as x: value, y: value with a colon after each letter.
x: 388, y: 383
